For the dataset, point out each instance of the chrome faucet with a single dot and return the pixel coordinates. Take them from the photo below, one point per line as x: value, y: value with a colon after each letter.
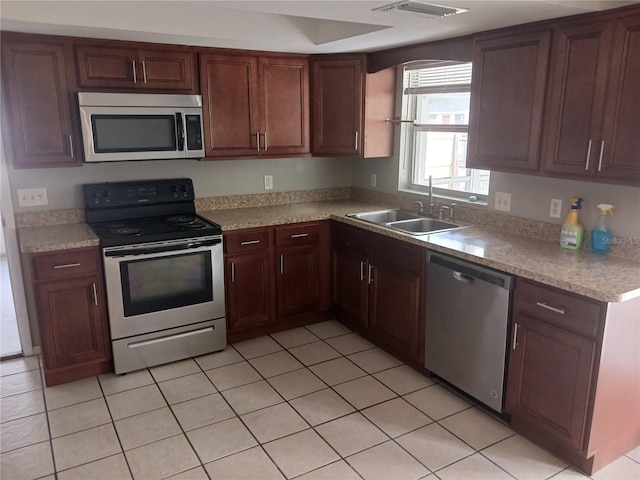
x: 431, y: 205
x: 420, y: 207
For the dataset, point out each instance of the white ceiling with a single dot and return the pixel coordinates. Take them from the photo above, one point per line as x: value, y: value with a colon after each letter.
x: 302, y: 26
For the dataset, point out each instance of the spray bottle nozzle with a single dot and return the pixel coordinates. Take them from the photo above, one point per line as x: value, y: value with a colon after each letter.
x: 606, y: 208
x: 576, y: 203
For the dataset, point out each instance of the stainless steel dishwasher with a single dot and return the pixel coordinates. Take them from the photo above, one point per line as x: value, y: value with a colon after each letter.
x: 467, y: 316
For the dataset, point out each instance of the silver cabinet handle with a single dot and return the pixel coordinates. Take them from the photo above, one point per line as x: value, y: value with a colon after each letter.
x: 586, y: 163
x: 361, y: 270
x: 299, y: 235
x: 600, y: 160
x: 266, y: 141
x: 258, y: 140
x: 515, y: 336
x: 95, y: 294
x: 281, y: 263
x: 71, y: 146
x: 135, y: 76
x: 233, y: 273
x: 549, y: 307
x: 67, y: 265
x: 250, y: 242
x: 370, y: 274
x: 144, y: 72
x: 356, y: 142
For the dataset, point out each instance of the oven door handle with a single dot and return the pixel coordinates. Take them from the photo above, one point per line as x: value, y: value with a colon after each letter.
x: 171, y: 248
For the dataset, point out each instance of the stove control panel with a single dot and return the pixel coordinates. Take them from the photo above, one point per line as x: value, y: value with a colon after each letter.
x: 148, y: 192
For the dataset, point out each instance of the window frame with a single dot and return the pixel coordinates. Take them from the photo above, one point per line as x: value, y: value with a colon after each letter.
x: 409, y: 128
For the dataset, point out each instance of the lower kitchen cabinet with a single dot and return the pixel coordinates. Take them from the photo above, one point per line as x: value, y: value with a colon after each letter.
x: 275, y: 277
x: 69, y: 296
x: 573, y: 381
x: 377, y: 289
x: 248, y: 278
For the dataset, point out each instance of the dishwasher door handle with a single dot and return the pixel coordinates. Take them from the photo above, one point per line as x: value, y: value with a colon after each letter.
x: 461, y: 277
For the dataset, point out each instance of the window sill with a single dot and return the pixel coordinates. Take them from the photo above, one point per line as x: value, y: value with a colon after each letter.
x: 460, y: 199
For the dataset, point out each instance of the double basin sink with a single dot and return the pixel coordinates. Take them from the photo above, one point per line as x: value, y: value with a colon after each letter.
x: 406, y: 222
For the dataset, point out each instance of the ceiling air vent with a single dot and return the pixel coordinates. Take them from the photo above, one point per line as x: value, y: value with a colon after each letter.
x: 429, y: 10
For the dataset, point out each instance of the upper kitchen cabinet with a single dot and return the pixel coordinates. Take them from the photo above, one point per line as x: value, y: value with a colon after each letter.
x: 116, y: 65
x: 593, y: 106
x: 507, y: 99
x: 255, y: 105
x: 621, y: 125
x: 350, y: 108
x: 39, y: 77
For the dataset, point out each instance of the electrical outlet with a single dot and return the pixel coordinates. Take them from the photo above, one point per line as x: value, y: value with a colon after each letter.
x: 556, y: 208
x: 502, y: 201
x: 373, y: 180
x: 32, y: 197
x: 268, y: 182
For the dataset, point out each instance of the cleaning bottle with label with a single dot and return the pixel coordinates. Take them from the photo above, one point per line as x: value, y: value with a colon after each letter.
x: 601, y: 236
x: 572, y: 232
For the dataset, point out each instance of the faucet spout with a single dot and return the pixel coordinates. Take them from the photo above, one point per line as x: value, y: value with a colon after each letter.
x: 431, y: 205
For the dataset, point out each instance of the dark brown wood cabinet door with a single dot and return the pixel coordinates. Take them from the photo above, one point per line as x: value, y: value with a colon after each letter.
x: 337, y: 107
x: 573, y: 112
x: 284, y: 84
x: 229, y: 85
x: 297, y: 280
x: 507, y: 97
x: 167, y: 70
x: 248, y: 290
x: 107, y: 67
x: 549, y: 381
x: 349, y: 287
x: 621, y: 132
x: 37, y: 97
x: 394, y: 308
x: 73, y: 323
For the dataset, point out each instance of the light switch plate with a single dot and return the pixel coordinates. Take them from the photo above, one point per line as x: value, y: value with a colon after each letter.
x: 502, y: 201
x: 32, y: 197
x: 373, y: 179
x: 268, y: 182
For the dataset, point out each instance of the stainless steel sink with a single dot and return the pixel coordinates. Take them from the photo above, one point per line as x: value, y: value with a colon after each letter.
x: 406, y: 222
x: 382, y: 217
x: 422, y: 226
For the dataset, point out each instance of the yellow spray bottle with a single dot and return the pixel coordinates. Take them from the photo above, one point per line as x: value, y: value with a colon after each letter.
x: 572, y: 233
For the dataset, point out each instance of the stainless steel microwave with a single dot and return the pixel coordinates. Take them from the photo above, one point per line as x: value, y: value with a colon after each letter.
x: 137, y: 126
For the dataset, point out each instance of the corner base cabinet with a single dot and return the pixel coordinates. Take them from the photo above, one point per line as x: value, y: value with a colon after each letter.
x: 574, y: 382
x: 69, y: 296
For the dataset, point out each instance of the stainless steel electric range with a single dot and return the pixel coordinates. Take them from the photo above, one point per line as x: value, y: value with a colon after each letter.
x: 163, y: 267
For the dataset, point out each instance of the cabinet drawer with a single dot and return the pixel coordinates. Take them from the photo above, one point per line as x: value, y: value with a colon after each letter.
x: 299, y: 234
x: 245, y: 241
x: 67, y: 263
x: 563, y: 309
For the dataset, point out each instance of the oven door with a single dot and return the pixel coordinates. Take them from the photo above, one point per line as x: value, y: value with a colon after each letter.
x: 163, y: 285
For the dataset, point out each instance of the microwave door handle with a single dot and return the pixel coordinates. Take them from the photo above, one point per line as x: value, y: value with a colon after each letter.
x: 180, y: 128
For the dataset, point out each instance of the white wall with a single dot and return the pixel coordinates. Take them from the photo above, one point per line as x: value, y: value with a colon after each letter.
x: 210, y: 178
x: 531, y: 195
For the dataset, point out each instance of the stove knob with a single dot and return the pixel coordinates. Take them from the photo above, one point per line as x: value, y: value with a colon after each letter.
x: 174, y: 190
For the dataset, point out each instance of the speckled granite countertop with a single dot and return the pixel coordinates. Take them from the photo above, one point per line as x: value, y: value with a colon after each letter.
x: 56, y: 237
x: 605, y: 278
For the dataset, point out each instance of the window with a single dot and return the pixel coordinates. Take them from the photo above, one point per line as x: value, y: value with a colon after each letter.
x: 435, y: 102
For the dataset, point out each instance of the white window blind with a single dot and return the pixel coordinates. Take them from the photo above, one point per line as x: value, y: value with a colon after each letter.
x: 440, y: 77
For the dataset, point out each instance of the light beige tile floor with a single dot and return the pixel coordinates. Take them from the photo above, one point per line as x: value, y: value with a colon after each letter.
x: 316, y: 402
